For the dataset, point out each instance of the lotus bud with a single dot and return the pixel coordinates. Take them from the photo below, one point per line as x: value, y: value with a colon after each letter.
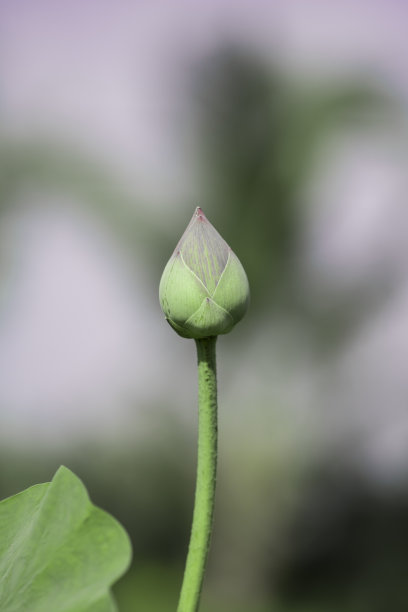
x: 204, y: 290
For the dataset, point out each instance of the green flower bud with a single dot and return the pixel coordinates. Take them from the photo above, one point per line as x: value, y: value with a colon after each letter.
x: 204, y: 290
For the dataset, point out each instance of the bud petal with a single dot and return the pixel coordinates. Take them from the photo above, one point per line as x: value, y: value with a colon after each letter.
x: 232, y: 291
x: 204, y: 290
x: 204, y: 251
x: 210, y: 319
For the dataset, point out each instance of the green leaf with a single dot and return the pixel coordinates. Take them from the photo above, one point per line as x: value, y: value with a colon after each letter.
x: 59, y: 552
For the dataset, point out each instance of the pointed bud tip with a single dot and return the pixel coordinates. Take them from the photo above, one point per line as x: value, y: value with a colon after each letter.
x: 200, y: 215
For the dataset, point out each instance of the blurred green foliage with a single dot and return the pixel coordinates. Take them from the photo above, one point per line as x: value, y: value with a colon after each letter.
x: 263, y: 138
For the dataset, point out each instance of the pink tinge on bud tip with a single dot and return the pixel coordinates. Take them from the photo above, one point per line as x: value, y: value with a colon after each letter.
x: 200, y: 214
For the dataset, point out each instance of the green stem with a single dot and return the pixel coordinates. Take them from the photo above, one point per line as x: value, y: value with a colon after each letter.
x: 206, y: 477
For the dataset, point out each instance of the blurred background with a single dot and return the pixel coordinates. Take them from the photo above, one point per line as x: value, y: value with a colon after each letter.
x: 286, y: 123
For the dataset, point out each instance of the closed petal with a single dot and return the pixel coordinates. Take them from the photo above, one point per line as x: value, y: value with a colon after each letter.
x: 181, y: 293
x: 232, y: 292
x: 204, y: 251
x: 209, y: 320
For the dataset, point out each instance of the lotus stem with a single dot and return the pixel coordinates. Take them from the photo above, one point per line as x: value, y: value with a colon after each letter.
x: 206, y: 477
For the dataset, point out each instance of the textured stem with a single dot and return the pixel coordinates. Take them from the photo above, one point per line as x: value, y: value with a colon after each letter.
x: 206, y: 477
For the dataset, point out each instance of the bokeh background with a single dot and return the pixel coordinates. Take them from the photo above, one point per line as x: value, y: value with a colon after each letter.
x: 286, y: 122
